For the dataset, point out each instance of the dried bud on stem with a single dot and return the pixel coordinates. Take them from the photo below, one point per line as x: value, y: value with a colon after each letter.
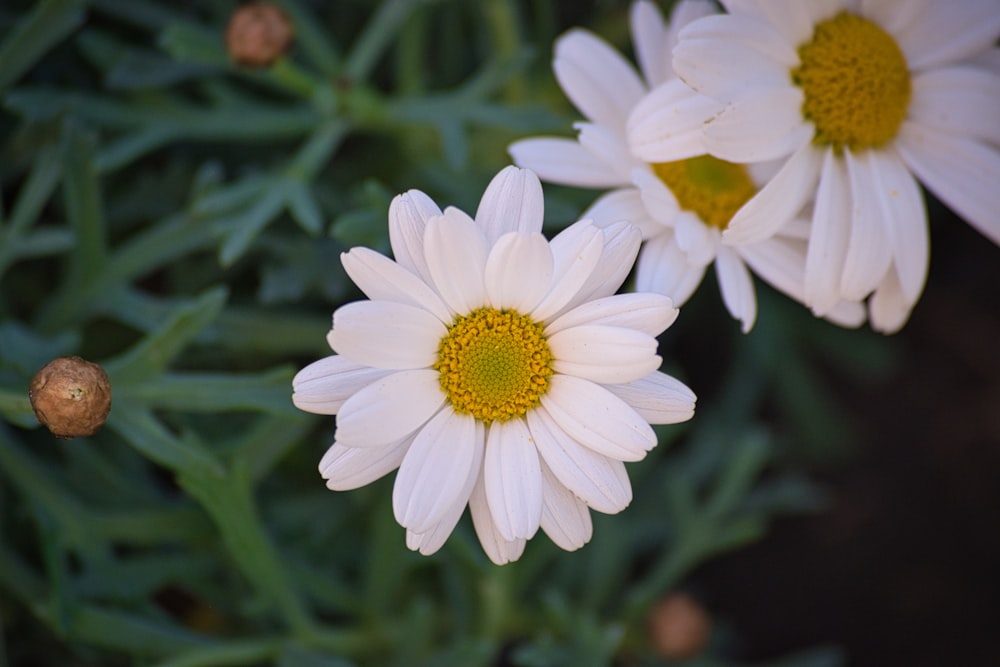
x: 679, y: 627
x: 258, y: 34
x: 71, y: 397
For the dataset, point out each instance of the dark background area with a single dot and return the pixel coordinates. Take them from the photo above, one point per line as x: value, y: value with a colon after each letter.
x: 901, y: 569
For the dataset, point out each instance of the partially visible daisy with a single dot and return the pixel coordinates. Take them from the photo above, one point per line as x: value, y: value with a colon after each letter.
x: 856, y: 98
x: 650, y: 149
x: 496, y: 369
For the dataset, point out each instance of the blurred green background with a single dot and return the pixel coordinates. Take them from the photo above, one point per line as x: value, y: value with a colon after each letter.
x: 179, y: 219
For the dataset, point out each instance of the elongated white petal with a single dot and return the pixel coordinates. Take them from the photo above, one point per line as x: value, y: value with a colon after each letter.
x: 385, y: 334
x: 649, y: 34
x: 499, y: 549
x: 961, y: 172
x: 513, y: 479
x: 869, y: 252
x: 564, y: 161
x: 456, y: 256
x: 647, y: 312
x: 656, y: 197
x: 621, y: 246
x: 667, y: 124
x: 435, y: 471
x: 345, y: 468
x: 565, y: 518
x: 601, y: 482
x: 618, y: 205
x: 518, y: 271
x: 389, y: 409
x: 664, y: 268
x: 736, y: 286
x: 947, y: 32
x: 780, y: 262
x: 962, y: 101
x: 598, y: 419
x: 604, y: 354
x: 432, y: 539
x: 380, y: 278
x: 658, y: 398
x: 576, y: 251
x: 596, y: 78
x: 889, y: 309
x: 794, y: 21
x: 512, y: 202
x: 324, y: 385
x: 903, y: 209
x: 828, y: 244
x: 695, y: 239
x: 408, y: 216
x: 779, y: 201
x: 610, y: 147
x: 766, y: 126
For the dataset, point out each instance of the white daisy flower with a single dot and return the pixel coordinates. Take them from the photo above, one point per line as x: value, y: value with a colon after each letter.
x: 650, y: 149
x: 496, y: 369
x: 856, y: 98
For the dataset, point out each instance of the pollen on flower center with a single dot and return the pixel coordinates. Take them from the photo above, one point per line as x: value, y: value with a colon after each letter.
x: 494, y: 364
x: 856, y: 83
x: 711, y: 188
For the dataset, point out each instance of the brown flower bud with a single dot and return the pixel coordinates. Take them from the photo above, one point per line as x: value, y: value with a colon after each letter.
x: 679, y: 627
x: 258, y: 33
x: 71, y: 396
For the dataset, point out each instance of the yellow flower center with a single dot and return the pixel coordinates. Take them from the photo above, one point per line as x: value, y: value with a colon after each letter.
x: 494, y: 364
x: 856, y: 83
x: 711, y: 188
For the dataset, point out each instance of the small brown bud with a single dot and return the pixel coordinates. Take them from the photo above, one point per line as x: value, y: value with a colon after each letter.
x: 258, y: 33
x: 71, y: 396
x: 679, y: 627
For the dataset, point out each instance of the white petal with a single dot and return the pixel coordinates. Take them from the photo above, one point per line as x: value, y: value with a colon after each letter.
x: 598, y: 419
x: 736, y: 286
x: 380, y: 278
x: 619, y: 205
x: 656, y: 197
x: 728, y: 57
x: 599, y: 481
x: 408, y: 215
x: 432, y: 539
x: 324, y: 385
x: 456, y: 257
x: 645, y: 311
x: 345, y: 468
x: 695, y: 239
x: 610, y: 147
x: 828, y: 244
x: 850, y: 314
x: 667, y: 124
x: 565, y: 518
x: 779, y: 201
x: 663, y: 268
x: 763, y: 127
x: 906, y: 218
x: 946, y: 32
x: 649, y: 38
x: 564, y: 161
x: 780, y: 262
x: 959, y: 100
x: 621, y: 246
x: 389, y: 408
x: 513, y: 479
x: 889, y: 308
x: 658, y: 398
x: 435, y: 471
x: 795, y: 21
x: 512, y: 202
x: 499, y: 549
x: 869, y: 252
x: 596, y: 78
x: 683, y: 13
x: 964, y: 174
x: 518, y: 271
x: 384, y: 334
x: 604, y: 353
x: 575, y: 251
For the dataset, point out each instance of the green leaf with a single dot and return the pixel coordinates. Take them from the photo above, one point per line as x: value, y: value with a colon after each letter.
x: 36, y: 33
x: 215, y: 392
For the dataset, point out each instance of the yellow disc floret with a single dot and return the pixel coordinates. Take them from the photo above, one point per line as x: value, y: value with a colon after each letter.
x: 494, y: 364
x: 856, y: 83
x: 711, y: 188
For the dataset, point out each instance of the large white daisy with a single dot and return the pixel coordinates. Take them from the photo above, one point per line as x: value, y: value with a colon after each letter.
x: 496, y: 369
x: 650, y: 149
x: 856, y: 98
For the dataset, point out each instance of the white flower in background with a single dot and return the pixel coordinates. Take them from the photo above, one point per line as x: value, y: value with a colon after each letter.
x: 496, y: 369
x: 856, y: 98
x: 681, y: 198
